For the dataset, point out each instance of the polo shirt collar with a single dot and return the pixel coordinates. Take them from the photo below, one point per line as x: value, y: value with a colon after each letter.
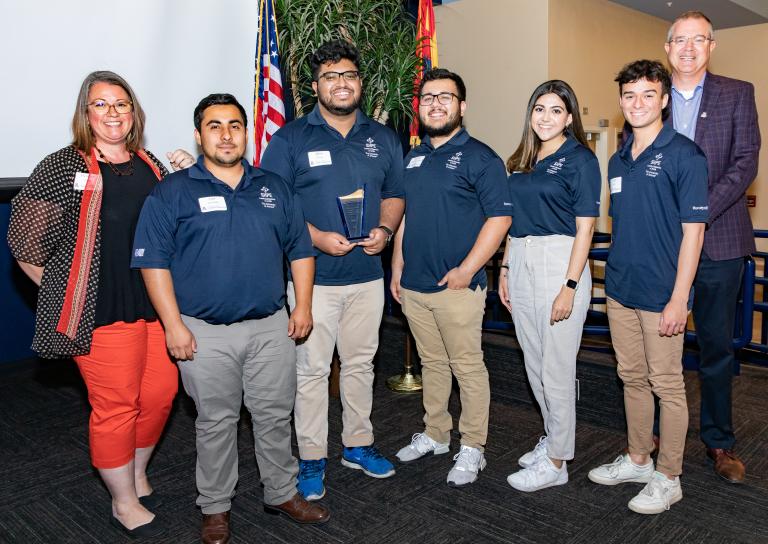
x: 199, y: 171
x: 569, y: 144
x: 458, y: 139
x: 662, y: 139
x: 316, y: 118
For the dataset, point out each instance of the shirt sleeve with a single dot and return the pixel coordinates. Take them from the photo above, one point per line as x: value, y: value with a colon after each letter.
x: 278, y: 158
x: 692, y: 188
x: 154, y: 243
x: 586, y: 189
x: 37, y: 211
x: 393, y: 184
x: 297, y: 243
x: 492, y: 189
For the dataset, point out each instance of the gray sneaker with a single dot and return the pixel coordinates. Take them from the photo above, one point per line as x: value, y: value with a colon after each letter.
x: 420, y: 446
x: 469, y: 461
x: 621, y: 471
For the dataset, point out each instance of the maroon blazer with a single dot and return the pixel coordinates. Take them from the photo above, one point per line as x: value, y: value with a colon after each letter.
x: 728, y: 133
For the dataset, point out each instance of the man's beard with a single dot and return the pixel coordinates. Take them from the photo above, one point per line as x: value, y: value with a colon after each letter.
x: 451, y: 124
x: 340, y: 110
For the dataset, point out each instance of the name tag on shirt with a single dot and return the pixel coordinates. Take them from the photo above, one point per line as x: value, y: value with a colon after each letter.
x: 212, y: 204
x: 319, y: 158
x: 81, y: 180
x: 615, y: 184
x: 415, y: 162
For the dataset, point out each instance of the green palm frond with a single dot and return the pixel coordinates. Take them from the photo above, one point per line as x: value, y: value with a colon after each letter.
x: 382, y: 32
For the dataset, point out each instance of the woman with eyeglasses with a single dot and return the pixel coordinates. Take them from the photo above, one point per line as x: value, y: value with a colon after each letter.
x: 545, y: 283
x: 71, y: 230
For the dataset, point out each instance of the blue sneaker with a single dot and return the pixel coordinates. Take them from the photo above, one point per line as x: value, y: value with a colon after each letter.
x: 369, y: 460
x: 309, y: 483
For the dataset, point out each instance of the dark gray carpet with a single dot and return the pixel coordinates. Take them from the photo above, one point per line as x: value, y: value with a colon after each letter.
x: 49, y: 493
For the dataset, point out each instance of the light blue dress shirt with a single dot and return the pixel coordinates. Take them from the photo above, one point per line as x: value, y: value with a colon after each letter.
x: 685, y: 112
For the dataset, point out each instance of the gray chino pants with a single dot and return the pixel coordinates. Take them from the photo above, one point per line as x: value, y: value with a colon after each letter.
x: 252, y: 361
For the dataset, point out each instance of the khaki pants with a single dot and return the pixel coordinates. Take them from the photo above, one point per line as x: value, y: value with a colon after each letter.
x: 346, y: 317
x: 447, y: 328
x: 650, y: 364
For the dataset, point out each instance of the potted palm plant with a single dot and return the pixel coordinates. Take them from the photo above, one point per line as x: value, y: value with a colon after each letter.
x: 381, y: 30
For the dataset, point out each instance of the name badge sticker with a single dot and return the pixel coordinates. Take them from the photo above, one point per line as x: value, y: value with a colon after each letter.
x: 212, y: 204
x: 415, y: 162
x: 615, y: 184
x: 319, y: 158
x: 81, y: 180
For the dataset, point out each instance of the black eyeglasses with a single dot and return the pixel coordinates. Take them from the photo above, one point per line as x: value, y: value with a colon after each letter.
x: 442, y: 98
x: 333, y: 77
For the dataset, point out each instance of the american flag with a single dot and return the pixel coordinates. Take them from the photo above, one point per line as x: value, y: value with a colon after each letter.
x: 268, y: 107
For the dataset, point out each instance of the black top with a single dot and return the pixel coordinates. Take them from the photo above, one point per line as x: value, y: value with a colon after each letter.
x: 122, y: 295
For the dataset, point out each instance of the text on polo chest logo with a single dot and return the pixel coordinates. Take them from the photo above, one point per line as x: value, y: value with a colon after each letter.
x: 653, y: 168
x: 556, y: 166
x: 267, y: 200
x: 454, y: 161
x: 371, y: 149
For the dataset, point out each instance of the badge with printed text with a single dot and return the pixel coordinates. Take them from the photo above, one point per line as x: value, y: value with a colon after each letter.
x: 415, y: 162
x: 319, y: 158
x: 81, y: 180
x: 212, y: 204
x: 615, y: 184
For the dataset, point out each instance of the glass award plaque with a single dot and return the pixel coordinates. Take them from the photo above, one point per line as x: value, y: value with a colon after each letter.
x: 352, y: 210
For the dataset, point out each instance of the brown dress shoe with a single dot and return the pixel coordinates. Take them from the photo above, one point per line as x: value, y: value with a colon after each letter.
x: 727, y: 465
x: 215, y: 528
x: 300, y: 510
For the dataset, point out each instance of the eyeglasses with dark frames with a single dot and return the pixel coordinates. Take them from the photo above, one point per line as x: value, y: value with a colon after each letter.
x: 428, y: 99
x: 333, y: 77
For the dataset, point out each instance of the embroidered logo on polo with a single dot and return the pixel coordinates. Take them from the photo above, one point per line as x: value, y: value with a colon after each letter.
x: 454, y: 161
x: 653, y: 168
x: 556, y: 166
x: 139, y: 252
x: 267, y: 200
x: 371, y: 149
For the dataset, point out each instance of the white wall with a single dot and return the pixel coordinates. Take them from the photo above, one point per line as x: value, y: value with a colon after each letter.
x: 172, y: 52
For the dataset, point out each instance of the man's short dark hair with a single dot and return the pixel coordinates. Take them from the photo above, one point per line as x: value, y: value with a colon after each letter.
x: 441, y: 73
x: 331, y: 52
x: 651, y: 70
x: 217, y: 99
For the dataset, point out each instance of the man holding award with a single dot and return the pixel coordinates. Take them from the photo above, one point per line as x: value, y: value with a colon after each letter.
x: 347, y: 172
x: 458, y: 211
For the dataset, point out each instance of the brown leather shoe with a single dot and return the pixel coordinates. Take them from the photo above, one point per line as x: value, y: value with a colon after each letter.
x: 215, y: 528
x: 727, y: 465
x: 654, y: 451
x: 300, y: 510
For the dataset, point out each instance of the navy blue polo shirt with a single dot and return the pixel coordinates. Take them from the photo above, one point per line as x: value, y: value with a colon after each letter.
x: 561, y: 187
x: 650, y: 197
x: 321, y: 165
x: 225, y: 248
x: 449, y: 193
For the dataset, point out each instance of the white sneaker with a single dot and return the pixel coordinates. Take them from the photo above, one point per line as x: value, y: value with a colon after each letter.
x: 420, y: 445
x: 541, y: 475
x: 657, y: 496
x: 469, y: 461
x: 622, y: 470
x: 532, y: 457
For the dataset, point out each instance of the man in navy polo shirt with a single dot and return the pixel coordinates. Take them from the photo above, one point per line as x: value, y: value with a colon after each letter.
x: 332, y: 152
x: 211, y: 242
x: 658, y: 185
x: 457, y: 212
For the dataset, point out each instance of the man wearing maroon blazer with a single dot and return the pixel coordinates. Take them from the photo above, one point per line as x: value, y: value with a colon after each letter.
x: 720, y: 115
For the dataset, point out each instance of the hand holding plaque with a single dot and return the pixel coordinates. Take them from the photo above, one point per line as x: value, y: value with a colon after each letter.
x: 352, y: 210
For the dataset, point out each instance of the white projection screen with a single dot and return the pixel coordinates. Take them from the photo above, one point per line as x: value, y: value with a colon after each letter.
x: 172, y: 52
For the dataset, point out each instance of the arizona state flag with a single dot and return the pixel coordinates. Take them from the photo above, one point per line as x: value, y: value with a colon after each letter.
x: 426, y: 50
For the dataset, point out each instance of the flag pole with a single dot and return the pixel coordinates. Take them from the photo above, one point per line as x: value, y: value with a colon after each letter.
x: 426, y: 50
